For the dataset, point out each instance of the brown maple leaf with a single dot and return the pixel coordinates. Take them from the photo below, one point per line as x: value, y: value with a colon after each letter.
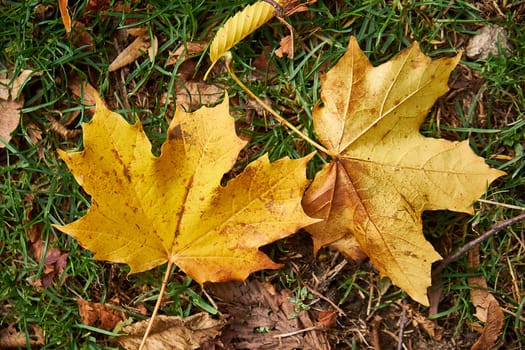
x: 383, y: 172
x: 147, y: 210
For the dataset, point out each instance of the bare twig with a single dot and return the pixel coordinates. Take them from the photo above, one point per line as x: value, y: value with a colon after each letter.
x: 402, y: 327
x: 486, y: 235
x: 289, y: 334
x: 504, y: 205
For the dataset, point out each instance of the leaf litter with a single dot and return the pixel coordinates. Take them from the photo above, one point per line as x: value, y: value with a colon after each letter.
x: 172, y: 332
x: 260, y: 317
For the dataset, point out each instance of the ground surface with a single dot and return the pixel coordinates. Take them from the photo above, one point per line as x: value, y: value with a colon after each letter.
x: 322, y: 303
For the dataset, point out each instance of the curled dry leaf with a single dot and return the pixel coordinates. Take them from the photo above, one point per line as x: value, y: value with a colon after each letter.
x: 64, y: 14
x: 147, y: 210
x: 170, y: 332
x: 383, y: 172
x: 239, y: 27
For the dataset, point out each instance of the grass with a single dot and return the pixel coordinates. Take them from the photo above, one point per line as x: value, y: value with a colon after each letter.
x: 38, y: 191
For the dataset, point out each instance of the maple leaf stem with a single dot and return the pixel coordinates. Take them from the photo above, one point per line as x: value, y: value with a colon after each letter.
x: 157, y: 305
x: 228, y: 59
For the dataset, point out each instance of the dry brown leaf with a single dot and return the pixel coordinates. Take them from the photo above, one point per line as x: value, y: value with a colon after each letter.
x: 54, y: 260
x: 10, y: 89
x: 131, y: 53
x: 195, y: 94
x: 10, y: 338
x: 9, y: 119
x: 186, y: 50
x: 11, y: 101
x: 84, y: 91
x: 327, y: 318
x: 286, y: 47
x: 173, y: 333
x: 103, y: 316
x: 488, y: 309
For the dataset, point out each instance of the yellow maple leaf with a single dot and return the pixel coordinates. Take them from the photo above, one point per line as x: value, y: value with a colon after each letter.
x: 384, y: 173
x: 147, y: 210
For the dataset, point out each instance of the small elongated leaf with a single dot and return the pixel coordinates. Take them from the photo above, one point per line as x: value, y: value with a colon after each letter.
x: 238, y: 27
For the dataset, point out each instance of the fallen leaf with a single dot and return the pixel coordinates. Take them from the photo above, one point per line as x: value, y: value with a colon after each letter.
x: 148, y: 210
x: 11, y: 101
x: 236, y: 28
x: 327, y: 318
x: 9, y: 119
x: 194, y: 94
x: 130, y: 54
x: 429, y: 326
x: 81, y: 36
x: 184, y: 51
x: 260, y: 318
x: 170, y: 332
x: 10, y: 338
x: 103, y: 316
x: 83, y: 90
x: 11, y: 88
x: 54, y: 260
x: 488, y: 309
x: 286, y: 47
x: 64, y: 14
x: 383, y: 172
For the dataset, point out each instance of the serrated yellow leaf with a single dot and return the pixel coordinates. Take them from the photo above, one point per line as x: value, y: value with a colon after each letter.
x: 239, y: 27
x: 146, y: 210
x: 385, y: 173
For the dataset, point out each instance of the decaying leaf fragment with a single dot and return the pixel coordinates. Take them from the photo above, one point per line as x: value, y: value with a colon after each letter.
x: 147, y: 210
x: 487, y: 306
x: 384, y: 173
x: 170, y: 332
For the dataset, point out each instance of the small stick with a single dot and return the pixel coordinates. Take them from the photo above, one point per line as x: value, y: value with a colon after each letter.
x: 510, y: 206
x: 284, y: 335
x: 486, y: 235
x: 228, y: 59
x: 402, y: 328
x: 157, y: 305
